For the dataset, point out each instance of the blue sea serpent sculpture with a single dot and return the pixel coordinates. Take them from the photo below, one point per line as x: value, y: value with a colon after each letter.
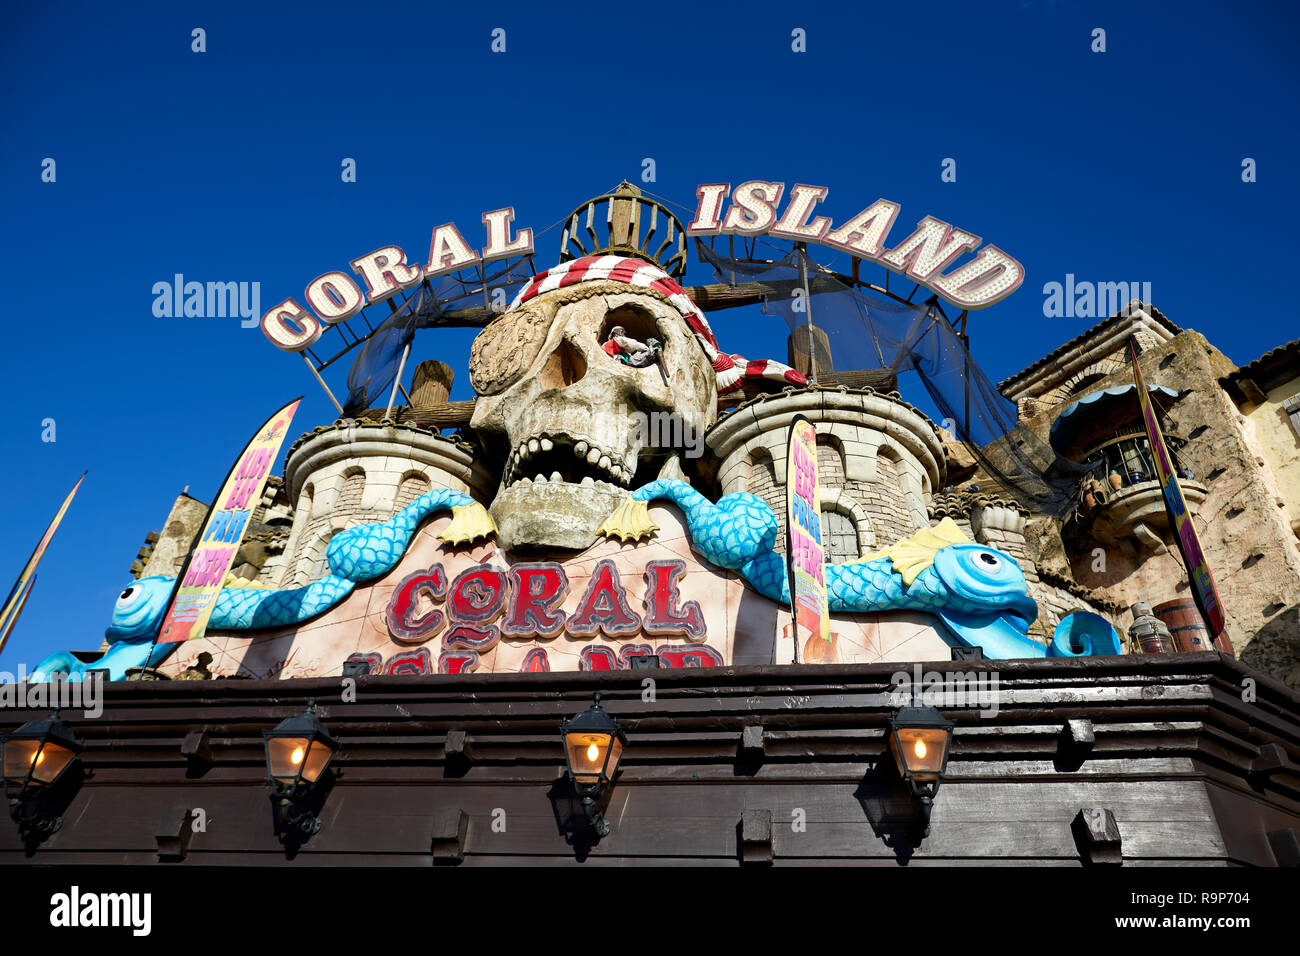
x: 978, y: 593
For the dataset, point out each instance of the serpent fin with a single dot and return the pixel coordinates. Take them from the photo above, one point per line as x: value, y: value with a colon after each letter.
x: 468, y: 523
x: 233, y: 582
x: 630, y: 521
x: 913, y: 555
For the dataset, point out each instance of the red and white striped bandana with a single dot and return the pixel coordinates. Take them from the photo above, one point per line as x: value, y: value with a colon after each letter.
x: 731, y: 370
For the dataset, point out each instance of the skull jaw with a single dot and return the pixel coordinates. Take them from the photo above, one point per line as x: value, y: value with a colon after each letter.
x: 554, y: 514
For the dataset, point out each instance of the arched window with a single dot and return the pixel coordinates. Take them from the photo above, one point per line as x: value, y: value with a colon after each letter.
x: 354, y: 486
x: 412, y: 486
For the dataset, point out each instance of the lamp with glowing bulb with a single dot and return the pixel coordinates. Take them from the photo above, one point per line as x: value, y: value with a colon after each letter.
x: 298, y: 751
x: 35, y: 758
x: 919, y: 739
x: 593, y: 745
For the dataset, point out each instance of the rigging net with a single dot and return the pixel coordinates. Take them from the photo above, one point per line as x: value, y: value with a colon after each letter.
x: 374, y: 370
x: 866, y: 329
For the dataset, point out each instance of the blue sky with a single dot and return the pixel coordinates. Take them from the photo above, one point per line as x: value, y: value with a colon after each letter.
x: 225, y: 166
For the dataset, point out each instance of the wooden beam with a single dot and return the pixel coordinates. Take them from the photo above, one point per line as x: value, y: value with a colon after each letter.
x: 441, y: 415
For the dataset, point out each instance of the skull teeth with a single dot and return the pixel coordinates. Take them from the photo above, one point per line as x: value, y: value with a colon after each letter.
x: 599, y: 459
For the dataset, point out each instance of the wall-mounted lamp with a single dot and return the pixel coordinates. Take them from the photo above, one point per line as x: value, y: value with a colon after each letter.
x: 919, y: 739
x: 593, y: 744
x: 298, y: 751
x: 35, y: 757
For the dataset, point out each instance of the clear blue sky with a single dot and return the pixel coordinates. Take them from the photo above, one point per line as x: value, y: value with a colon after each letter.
x: 224, y: 166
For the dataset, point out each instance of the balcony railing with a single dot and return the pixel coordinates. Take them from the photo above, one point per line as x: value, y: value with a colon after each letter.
x: 1130, y: 458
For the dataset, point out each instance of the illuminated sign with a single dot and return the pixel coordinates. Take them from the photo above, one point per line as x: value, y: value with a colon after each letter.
x: 335, y: 296
x: 988, y: 278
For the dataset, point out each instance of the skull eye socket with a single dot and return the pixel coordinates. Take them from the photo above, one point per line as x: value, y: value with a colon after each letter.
x: 636, y: 322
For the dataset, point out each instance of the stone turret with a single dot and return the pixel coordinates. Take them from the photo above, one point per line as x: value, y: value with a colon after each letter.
x: 880, y: 460
x: 358, y: 472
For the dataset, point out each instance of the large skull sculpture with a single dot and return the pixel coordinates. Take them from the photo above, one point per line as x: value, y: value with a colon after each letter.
x: 573, y: 419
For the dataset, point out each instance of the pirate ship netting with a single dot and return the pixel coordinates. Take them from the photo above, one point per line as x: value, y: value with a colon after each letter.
x: 854, y: 327
x: 428, y: 305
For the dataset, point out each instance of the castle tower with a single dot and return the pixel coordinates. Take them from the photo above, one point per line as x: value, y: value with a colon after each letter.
x: 358, y: 472
x: 879, y: 460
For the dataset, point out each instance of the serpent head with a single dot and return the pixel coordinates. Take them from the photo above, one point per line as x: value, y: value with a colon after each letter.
x: 139, y: 608
x: 993, y: 608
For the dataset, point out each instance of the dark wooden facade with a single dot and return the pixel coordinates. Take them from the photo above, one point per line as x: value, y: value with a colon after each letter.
x: 721, y: 767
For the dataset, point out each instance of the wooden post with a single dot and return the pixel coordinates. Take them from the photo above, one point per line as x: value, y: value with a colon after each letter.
x: 798, y: 350
x: 431, y: 383
x: 807, y: 304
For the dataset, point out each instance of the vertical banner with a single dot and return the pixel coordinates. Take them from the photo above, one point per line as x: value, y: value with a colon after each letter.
x: 19, y: 591
x: 213, y: 552
x: 809, y: 612
x: 1198, y: 570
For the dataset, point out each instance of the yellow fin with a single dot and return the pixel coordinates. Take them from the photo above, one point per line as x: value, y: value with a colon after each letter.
x: 468, y: 523
x: 630, y: 521
x: 233, y: 582
x: 913, y: 555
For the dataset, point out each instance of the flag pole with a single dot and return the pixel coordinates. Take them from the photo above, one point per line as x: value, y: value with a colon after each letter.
x: 30, y: 568
x: 22, y: 602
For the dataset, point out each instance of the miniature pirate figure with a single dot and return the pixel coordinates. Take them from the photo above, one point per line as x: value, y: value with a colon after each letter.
x: 629, y: 351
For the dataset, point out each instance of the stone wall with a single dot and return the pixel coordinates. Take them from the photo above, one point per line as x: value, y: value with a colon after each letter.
x: 1269, y: 432
x: 1243, y: 522
x: 166, y: 553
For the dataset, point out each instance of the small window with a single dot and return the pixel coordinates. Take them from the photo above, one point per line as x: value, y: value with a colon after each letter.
x: 839, y: 538
x: 1292, y: 409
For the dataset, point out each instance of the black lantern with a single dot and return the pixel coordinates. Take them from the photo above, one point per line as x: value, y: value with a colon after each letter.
x: 298, y: 751
x: 35, y: 757
x: 593, y: 744
x: 919, y: 739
